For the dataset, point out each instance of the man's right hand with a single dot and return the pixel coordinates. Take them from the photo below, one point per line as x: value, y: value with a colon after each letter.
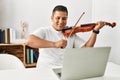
x: 61, y: 43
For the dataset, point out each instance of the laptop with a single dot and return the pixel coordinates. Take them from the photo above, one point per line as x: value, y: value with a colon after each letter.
x: 83, y: 63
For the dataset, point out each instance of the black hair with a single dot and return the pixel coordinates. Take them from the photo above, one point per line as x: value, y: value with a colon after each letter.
x: 60, y: 8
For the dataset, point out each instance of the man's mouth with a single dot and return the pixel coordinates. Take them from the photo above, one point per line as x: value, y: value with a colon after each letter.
x: 61, y: 26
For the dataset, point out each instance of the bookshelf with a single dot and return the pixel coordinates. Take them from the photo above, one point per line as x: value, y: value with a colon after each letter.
x: 20, y: 51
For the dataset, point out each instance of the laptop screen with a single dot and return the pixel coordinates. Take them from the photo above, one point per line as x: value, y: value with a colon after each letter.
x: 80, y: 63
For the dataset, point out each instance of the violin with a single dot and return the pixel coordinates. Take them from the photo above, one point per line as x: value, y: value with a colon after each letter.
x: 83, y: 28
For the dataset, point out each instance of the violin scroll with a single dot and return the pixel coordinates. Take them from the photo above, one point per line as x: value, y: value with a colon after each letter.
x: 113, y: 24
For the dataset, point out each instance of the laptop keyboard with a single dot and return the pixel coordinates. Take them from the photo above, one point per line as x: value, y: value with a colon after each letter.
x: 57, y: 71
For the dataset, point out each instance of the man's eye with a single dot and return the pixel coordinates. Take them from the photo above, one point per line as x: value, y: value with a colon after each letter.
x: 64, y: 18
x: 57, y: 18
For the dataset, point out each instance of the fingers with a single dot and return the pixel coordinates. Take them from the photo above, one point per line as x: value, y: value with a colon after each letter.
x: 61, y: 44
x: 99, y: 25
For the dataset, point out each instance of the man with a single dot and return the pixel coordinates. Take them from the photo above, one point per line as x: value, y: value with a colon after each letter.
x: 52, y: 42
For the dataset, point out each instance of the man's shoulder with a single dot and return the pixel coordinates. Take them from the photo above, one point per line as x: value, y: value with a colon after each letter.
x: 42, y: 29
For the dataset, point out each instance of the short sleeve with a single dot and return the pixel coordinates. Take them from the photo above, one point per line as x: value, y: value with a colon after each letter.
x: 39, y: 33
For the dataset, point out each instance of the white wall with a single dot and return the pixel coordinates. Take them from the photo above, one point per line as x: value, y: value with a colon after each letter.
x: 108, y: 10
x: 37, y: 13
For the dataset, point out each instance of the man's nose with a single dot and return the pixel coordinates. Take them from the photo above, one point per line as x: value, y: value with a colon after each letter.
x: 60, y: 21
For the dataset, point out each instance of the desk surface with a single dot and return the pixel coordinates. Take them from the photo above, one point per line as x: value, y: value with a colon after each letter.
x: 112, y: 73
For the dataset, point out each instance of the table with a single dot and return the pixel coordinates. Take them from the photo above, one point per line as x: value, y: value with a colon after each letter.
x: 44, y: 73
x: 112, y: 73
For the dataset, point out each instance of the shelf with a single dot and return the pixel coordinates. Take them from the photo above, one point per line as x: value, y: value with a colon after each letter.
x: 20, y: 51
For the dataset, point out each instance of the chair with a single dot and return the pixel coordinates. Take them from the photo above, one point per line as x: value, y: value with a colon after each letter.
x: 8, y: 61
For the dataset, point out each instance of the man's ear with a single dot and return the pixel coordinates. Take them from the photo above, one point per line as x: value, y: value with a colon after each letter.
x: 51, y: 17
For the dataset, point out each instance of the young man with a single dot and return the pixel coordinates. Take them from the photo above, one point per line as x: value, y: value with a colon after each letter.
x: 52, y: 42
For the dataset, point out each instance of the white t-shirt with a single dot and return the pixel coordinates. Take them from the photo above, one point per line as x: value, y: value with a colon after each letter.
x: 54, y: 56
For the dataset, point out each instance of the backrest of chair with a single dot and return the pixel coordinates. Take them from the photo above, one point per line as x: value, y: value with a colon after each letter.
x: 8, y: 61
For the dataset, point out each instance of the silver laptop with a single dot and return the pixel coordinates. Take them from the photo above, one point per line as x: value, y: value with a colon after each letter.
x: 83, y: 63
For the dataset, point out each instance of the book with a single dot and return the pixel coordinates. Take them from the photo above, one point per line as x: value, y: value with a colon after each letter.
x: 0, y: 35
x: 3, y: 36
x: 12, y: 35
x: 35, y: 55
x: 7, y: 36
x: 31, y: 56
x: 28, y: 58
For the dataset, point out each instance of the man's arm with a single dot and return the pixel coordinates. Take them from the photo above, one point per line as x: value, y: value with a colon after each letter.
x: 92, y: 39
x: 36, y: 42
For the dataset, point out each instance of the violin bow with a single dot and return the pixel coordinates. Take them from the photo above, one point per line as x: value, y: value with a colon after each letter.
x: 76, y: 24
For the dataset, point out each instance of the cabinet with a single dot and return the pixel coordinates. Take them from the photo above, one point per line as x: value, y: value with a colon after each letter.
x: 20, y: 51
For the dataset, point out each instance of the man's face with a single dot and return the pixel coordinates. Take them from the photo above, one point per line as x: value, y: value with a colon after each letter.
x: 59, y: 19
